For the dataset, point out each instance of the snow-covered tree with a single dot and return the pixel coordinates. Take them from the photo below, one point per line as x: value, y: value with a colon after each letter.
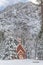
x: 41, y: 4
x: 10, y: 50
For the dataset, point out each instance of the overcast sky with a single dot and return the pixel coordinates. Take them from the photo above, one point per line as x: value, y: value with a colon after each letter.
x: 4, y: 3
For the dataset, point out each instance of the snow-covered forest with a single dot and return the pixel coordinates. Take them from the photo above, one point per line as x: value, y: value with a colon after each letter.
x: 24, y: 21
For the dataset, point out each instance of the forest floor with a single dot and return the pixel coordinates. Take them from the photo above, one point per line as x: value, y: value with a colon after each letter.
x: 21, y: 62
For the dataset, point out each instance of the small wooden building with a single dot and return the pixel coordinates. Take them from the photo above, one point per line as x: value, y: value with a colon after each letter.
x: 21, y: 52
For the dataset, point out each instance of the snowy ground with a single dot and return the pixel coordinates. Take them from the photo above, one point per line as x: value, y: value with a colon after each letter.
x: 21, y: 62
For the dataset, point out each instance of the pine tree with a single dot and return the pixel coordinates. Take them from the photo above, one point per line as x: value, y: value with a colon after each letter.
x: 10, y: 50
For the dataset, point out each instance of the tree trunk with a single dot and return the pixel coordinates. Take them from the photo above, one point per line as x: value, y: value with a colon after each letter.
x: 40, y: 34
x: 42, y: 13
